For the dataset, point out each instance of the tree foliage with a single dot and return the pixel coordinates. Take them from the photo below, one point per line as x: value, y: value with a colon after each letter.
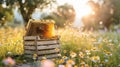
x: 105, y: 13
x: 65, y: 14
x: 27, y: 7
x: 6, y: 15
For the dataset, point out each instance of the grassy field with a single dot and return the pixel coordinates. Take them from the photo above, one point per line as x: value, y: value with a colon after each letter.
x: 79, y: 49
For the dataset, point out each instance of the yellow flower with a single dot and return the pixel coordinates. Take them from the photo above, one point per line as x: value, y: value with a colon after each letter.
x: 64, y: 51
x: 84, y: 65
x: 75, y: 66
x: 105, y: 51
x: 70, y: 62
x: 94, y: 49
x: 108, y: 53
x: 61, y: 61
x: 82, y: 62
x: 64, y: 57
x: 68, y: 65
x: 57, y: 49
x: 81, y: 55
x: 34, y: 56
x: 95, y: 59
x: 44, y: 58
x: 73, y: 54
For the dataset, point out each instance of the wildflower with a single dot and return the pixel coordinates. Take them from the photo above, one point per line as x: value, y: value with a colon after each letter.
x: 68, y: 65
x: 61, y: 65
x: 61, y: 61
x: 84, y: 65
x: 44, y: 58
x: 101, y: 65
x: 82, y: 62
x: 65, y: 57
x: 9, y: 53
x: 88, y: 52
x: 47, y: 63
x: 35, y: 56
x: 110, y: 40
x: 81, y: 55
x: 75, y: 66
x: 64, y: 51
x: 95, y: 59
x: 59, y: 55
x: 106, y: 60
x: 108, y: 53
x: 105, y: 51
x: 57, y: 49
x: 110, y: 44
x: 94, y: 49
x: 9, y: 61
x: 73, y: 54
x: 70, y: 62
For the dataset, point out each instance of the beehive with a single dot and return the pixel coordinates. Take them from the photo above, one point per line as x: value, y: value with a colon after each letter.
x: 42, y: 28
x: 41, y: 42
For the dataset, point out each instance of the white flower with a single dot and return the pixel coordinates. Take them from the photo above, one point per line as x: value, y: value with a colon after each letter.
x: 61, y: 65
x: 106, y: 60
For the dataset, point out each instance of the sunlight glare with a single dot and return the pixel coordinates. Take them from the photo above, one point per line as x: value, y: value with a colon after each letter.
x: 80, y: 6
x: 86, y: 10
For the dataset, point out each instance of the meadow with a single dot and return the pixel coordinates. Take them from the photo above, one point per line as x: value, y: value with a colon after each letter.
x: 78, y: 49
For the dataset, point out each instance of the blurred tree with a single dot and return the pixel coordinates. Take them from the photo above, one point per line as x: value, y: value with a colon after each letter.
x: 116, y: 8
x: 6, y: 15
x: 101, y: 13
x: 106, y: 14
x: 64, y: 15
x: 27, y: 7
x: 91, y: 20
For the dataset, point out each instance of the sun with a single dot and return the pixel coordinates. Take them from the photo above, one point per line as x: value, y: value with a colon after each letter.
x: 85, y: 10
x: 81, y: 7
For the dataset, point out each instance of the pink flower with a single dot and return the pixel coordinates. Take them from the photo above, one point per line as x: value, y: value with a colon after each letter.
x: 9, y: 61
x: 47, y: 63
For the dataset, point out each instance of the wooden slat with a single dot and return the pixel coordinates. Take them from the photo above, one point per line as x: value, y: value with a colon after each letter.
x: 30, y: 47
x: 31, y: 37
x: 47, y: 52
x: 49, y: 56
x: 48, y: 47
x: 41, y: 52
x: 27, y: 43
x: 47, y: 42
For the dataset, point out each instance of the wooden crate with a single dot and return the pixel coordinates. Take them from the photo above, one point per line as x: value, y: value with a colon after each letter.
x: 41, y: 47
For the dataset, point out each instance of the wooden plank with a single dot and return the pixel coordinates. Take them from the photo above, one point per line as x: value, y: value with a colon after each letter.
x: 30, y: 47
x: 41, y: 52
x: 43, y: 47
x: 31, y: 37
x: 47, y: 42
x: 47, y: 52
x: 27, y: 43
x: 48, y: 47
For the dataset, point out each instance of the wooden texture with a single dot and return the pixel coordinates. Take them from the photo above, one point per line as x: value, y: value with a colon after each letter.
x: 41, y: 47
